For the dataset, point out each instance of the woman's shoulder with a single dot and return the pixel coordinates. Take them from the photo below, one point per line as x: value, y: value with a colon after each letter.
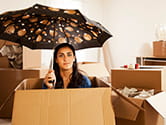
x: 86, y: 81
x: 85, y: 78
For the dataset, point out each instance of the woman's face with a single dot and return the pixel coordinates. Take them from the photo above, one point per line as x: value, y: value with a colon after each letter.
x: 65, y: 58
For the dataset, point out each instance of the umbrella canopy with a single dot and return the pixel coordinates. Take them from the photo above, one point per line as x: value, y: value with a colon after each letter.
x: 43, y: 27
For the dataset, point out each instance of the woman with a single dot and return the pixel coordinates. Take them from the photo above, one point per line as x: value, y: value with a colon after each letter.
x: 65, y: 73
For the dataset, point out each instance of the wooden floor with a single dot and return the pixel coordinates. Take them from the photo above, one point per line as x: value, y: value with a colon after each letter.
x: 5, y: 121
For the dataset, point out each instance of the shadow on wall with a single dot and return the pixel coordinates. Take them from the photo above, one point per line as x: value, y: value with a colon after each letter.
x: 146, y: 50
x: 109, y: 62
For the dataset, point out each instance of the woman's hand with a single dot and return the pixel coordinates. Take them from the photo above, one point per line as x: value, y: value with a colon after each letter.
x: 50, y: 79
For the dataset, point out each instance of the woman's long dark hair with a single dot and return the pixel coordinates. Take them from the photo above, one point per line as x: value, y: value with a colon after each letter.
x: 76, y: 78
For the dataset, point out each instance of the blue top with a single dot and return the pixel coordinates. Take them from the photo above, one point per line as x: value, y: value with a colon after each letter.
x: 86, y: 83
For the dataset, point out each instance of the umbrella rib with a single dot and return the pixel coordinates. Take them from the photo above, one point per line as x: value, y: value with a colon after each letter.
x: 54, y: 28
x: 64, y: 33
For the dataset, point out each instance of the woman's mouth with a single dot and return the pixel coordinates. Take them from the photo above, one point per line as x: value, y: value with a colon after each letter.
x: 66, y: 63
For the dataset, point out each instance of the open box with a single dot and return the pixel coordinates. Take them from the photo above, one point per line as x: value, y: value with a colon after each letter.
x: 83, y: 106
x: 154, y: 106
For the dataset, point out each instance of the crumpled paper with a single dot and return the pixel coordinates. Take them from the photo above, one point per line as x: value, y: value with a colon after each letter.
x: 14, y: 54
x: 136, y: 93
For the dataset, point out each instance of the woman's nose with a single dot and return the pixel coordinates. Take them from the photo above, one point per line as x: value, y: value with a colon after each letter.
x: 65, y: 57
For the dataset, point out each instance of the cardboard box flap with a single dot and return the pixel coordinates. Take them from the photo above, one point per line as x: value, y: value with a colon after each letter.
x: 36, y: 83
x: 63, y: 107
x: 158, y: 103
x: 125, y: 109
x: 31, y: 83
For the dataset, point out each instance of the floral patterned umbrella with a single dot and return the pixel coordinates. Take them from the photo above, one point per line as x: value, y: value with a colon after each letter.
x: 43, y: 27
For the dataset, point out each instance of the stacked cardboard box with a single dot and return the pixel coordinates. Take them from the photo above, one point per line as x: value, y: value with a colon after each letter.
x: 127, y: 114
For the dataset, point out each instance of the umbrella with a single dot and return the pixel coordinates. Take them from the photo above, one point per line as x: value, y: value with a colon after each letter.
x: 44, y: 27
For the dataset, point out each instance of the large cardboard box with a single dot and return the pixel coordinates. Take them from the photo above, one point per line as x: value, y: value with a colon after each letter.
x: 84, y: 106
x: 151, y: 109
x: 159, y: 48
x: 9, y: 79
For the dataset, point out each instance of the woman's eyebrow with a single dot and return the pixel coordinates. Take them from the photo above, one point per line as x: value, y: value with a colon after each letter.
x: 69, y: 52
x: 60, y: 53
x: 64, y: 53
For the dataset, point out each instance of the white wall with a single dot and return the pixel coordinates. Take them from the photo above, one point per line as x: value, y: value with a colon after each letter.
x: 132, y: 22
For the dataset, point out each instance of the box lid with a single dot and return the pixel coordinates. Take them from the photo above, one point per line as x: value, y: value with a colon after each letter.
x: 158, y: 103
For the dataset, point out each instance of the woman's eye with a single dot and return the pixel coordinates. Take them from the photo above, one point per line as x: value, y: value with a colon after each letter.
x: 61, y: 55
x: 69, y: 54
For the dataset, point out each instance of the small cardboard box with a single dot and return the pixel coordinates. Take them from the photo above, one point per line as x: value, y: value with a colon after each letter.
x: 9, y: 79
x: 128, y: 114
x: 4, y: 62
x: 159, y: 48
x: 84, y: 106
